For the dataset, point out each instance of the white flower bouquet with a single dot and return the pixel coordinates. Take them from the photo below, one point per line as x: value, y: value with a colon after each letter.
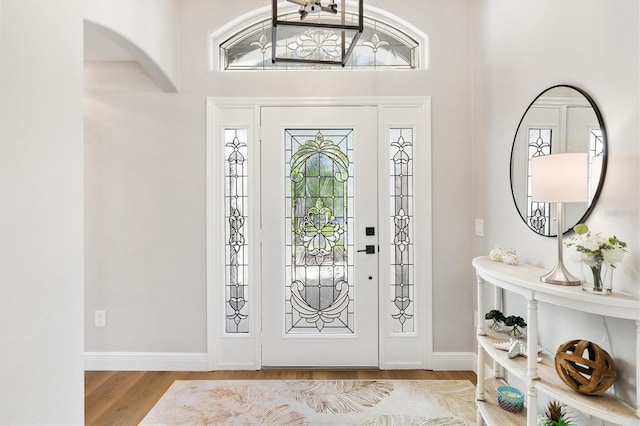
x: 595, y: 250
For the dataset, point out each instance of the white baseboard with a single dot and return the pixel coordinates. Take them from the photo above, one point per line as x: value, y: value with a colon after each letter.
x: 145, y: 361
x: 237, y: 366
x: 449, y: 361
x: 178, y: 361
x: 402, y: 366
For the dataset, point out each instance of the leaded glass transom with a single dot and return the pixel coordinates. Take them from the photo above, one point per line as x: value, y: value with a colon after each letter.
x: 402, y: 264
x: 236, y: 249
x: 380, y: 46
x: 319, y: 244
x: 538, y: 213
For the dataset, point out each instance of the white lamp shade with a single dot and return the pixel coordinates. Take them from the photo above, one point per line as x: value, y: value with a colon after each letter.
x: 560, y: 178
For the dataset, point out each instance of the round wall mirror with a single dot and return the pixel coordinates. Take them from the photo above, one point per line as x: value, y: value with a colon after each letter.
x: 561, y: 119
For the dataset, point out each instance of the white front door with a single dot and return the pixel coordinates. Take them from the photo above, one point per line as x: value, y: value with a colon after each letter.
x: 319, y: 221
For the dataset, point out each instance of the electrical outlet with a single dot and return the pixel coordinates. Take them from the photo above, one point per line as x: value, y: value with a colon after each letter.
x: 101, y: 318
x: 479, y: 228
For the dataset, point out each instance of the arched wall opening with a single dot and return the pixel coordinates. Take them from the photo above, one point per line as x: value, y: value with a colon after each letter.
x: 116, y: 47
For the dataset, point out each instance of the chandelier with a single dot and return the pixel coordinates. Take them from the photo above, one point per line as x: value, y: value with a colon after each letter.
x: 318, y: 16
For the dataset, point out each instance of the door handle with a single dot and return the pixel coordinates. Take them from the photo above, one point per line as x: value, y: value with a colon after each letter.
x: 369, y: 249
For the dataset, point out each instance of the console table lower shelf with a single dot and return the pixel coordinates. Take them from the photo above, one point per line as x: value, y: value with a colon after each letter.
x: 541, y: 377
x: 603, y: 406
x: 492, y: 413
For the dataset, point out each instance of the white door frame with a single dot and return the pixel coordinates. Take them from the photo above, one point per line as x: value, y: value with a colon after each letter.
x: 242, y: 351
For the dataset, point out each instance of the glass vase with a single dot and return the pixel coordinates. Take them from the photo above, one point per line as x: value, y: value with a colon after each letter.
x: 516, y: 332
x: 496, y: 325
x: 597, y: 278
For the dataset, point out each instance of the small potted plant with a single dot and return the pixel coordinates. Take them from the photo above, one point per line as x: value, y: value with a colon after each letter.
x: 515, y: 322
x: 555, y: 415
x: 497, y: 317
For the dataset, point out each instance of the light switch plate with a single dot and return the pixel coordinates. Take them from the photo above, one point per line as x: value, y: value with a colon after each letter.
x: 101, y: 318
x: 479, y: 228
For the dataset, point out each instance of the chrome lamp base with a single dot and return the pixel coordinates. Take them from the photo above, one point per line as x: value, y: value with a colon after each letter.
x: 560, y: 276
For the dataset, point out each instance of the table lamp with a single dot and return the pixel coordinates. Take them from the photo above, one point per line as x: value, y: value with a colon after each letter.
x: 560, y: 178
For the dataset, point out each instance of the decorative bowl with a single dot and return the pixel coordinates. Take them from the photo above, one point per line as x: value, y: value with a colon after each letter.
x: 510, y: 399
x: 510, y: 258
x: 496, y: 254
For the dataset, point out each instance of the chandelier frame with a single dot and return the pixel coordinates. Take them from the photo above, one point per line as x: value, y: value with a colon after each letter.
x: 341, y: 27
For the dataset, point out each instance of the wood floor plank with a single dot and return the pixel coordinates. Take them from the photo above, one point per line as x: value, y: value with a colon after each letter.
x: 135, y: 401
x: 108, y: 394
x: 125, y: 397
x: 94, y: 379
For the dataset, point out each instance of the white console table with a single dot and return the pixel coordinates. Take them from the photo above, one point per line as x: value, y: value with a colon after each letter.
x: 524, y: 281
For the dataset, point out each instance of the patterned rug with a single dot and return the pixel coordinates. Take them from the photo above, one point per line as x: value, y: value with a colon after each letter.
x: 316, y: 402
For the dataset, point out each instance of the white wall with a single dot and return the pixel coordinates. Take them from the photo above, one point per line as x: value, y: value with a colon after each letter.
x: 41, y: 216
x: 521, y: 48
x: 41, y: 209
x: 144, y: 213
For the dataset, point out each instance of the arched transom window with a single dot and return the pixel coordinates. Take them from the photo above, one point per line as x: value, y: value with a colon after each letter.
x: 382, y: 45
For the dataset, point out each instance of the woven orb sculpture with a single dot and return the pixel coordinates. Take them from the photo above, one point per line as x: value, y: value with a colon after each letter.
x: 590, y: 373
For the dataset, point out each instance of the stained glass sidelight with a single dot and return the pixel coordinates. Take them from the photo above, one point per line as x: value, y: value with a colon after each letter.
x: 319, y: 244
x: 236, y: 250
x: 538, y: 214
x: 380, y: 46
x: 402, y: 262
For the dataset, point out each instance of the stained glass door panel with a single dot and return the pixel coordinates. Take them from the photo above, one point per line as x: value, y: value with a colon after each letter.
x: 319, y: 192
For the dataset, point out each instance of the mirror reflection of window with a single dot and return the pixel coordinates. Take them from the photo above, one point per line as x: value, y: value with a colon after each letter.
x: 538, y: 214
x: 596, y: 157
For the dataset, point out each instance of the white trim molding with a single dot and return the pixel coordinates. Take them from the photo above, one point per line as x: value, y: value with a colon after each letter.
x: 410, y: 350
x: 146, y: 361
x: 453, y: 361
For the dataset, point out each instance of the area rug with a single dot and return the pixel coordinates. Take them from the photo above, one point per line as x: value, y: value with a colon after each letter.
x: 316, y: 402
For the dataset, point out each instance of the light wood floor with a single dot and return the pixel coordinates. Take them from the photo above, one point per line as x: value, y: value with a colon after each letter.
x: 125, y: 397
